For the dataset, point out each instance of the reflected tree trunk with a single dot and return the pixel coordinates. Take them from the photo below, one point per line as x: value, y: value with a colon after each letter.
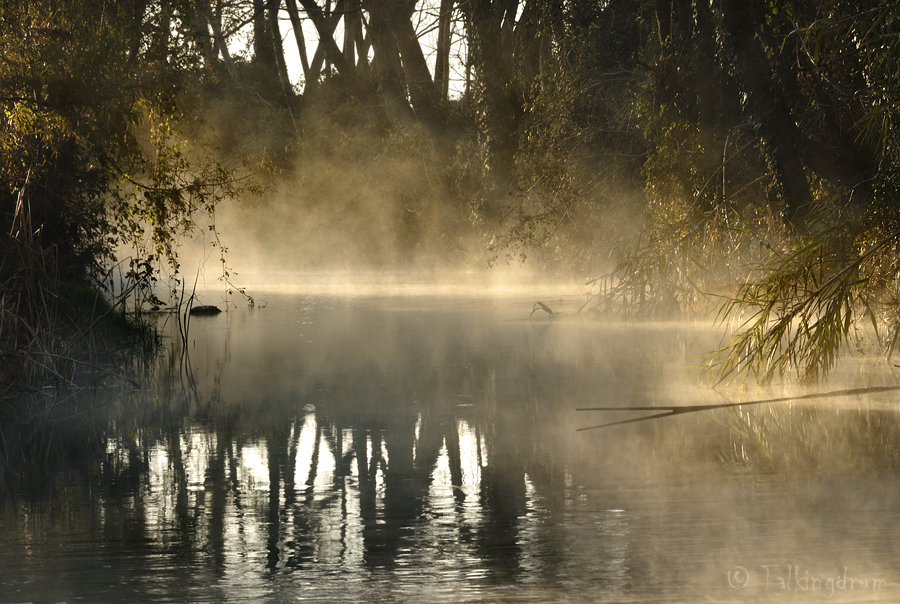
x: 502, y: 489
x: 451, y: 439
x: 277, y: 445
x: 234, y: 448
x: 273, y: 526
x: 403, y: 487
x: 366, y: 481
x: 217, y: 487
x: 309, y: 492
x: 182, y: 512
x: 290, y: 468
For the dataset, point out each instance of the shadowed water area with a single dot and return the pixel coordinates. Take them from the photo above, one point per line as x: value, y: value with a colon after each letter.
x: 424, y: 447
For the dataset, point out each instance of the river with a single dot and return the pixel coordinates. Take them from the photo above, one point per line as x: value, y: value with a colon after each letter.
x: 418, y: 446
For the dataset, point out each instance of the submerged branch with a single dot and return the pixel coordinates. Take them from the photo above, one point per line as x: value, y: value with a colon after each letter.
x: 682, y: 410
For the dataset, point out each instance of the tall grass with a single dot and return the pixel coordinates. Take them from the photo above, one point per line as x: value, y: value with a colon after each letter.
x: 55, y: 335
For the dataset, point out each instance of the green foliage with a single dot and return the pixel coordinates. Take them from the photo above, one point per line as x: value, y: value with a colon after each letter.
x: 92, y: 94
x: 720, y: 230
x: 579, y: 150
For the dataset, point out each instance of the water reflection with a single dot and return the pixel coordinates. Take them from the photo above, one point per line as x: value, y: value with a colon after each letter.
x: 406, y: 450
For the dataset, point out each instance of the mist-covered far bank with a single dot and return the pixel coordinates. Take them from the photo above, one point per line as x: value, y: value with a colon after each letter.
x: 687, y: 157
x: 353, y: 194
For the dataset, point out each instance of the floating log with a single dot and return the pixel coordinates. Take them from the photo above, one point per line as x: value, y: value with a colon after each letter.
x: 205, y: 310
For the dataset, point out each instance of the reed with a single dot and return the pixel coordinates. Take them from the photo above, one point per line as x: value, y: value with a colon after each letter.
x: 55, y: 335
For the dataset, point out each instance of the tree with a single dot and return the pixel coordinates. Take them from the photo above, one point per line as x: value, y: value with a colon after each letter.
x: 92, y: 93
x: 808, y: 222
x: 396, y: 38
x: 492, y: 29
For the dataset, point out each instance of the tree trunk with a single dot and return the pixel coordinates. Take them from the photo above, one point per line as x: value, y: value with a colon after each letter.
x: 442, y: 61
x: 362, y: 46
x: 387, y: 65
x: 221, y: 44
x: 311, y: 80
x: 159, y: 45
x: 499, y: 104
x: 539, y: 28
x: 767, y: 110
x: 424, y: 95
x: 201, y: 31
x: 287, y: 89
x: 352, y: 30
x: 263, y: 45
x: 135, y: 31
x: 272, y: 11
x: 663, y: 10
x: 332, y: 53
x: 393, y: 19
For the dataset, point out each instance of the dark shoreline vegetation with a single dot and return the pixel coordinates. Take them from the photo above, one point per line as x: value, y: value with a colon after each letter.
x: 717, y: 159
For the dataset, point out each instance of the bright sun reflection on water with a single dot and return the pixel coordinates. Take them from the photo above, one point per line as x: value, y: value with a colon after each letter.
x: 252, y: 469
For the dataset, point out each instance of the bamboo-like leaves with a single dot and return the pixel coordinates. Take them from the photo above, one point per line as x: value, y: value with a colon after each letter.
x: 801, y: 310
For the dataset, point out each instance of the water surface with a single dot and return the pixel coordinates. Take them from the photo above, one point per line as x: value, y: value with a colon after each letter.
x: 424, y: 448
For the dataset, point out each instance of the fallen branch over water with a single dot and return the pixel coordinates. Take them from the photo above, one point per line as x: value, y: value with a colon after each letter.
x: 681, y: 410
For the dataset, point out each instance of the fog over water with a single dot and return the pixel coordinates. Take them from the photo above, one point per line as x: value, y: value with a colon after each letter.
x: 382, y: 438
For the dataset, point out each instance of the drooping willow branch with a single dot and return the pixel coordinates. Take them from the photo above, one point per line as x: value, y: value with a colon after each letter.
x: 800, y: 321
